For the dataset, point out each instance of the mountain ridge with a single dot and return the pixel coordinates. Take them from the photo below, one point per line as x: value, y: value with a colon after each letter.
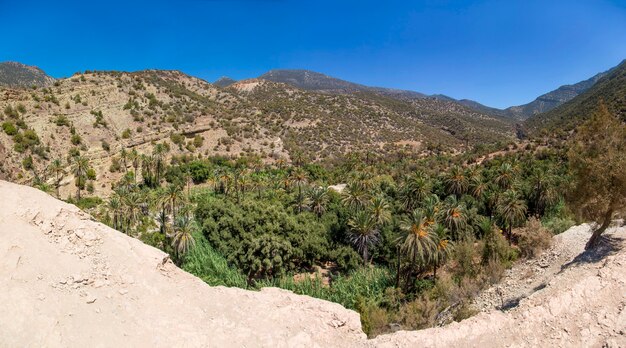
x: 15, y: 74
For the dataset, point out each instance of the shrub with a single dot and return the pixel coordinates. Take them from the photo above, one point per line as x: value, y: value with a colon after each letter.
x: 76, y: 139
x: 126, y: 133
x: 27, y: 163
x: 9, y: 128
x: 533, y: 238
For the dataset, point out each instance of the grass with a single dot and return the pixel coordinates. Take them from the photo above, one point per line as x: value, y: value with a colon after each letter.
x: 346, y: 290
x: 207, y: 264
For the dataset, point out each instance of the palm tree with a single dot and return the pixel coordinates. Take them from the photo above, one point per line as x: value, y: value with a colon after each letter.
x: 415, y: 189
x: 456, y: 182
x: 158, y: 153
x: 542, y: 193
x: 56, y: 168
x: 511, y: 210
x: 478, y: 187
x: 79, y: 168
x: 147, y: 163
x: 455, y: 217
x: 134, y: 158
x: 505, y: 176
x: 183, y: 240
x: 175, y: 196
x: 132, y: 203
x: 380, y: 210
x: 257, y: 184
x: 318, y: 196
x: 430, y: 208
x: 444, y: 247
x: 363, y: 233
x: 115, y: 206
x: 124, y: 158
x: 354, y: 196
x: 298, y: 178
x: 419, y: 243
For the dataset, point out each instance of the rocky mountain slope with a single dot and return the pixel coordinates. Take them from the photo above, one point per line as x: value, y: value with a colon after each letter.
x: 610, y: 89
x: 14, y: 74
x: 99, y: 113
x: 224, y: 81
x: 552, y: 99
x: 314, y: 81
x: 68, y: 281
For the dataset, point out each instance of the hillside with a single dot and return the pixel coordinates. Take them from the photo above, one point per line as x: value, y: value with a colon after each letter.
x: 610, y: 88
x: 65, y: 279
x: 14, y: 74
x: 100, y: 113
x: 224, y: 81
x: 553, y: 99
x: 314, y: 81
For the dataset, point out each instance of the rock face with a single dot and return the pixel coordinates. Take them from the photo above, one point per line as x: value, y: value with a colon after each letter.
x: 68, y: 281
x: 15, y: 74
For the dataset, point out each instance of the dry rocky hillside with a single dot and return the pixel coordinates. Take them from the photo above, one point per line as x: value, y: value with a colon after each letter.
x: 68, y: 281
x: 99, y: 113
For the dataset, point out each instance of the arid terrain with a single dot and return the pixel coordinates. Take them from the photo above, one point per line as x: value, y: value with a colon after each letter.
x: 67, y: 280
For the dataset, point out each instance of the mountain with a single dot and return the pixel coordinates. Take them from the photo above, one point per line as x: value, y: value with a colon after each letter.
x: 610, y: 88
x: 99, y: 113
x: 13, y: 74
x: 550, y: 100
x: 312, y: 81
x: 224, y: 81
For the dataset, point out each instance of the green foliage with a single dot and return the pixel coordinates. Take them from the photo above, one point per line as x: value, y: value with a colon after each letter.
x: 9, y: 128
x: 243, y: 231
x: 76, y: 139
x: 204, y: 262
x: 27, y: 163
x: 126, y: 133
x: 86, y: 203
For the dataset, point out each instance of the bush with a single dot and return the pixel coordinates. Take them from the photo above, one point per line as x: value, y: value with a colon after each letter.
x: 533, y: 238
x: 76, y: 139
x: 9, y: 128
x: 126, y: 133
x: 27, y: 163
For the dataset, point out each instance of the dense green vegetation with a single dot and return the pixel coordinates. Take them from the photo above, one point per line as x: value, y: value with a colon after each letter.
x: 406, y: 239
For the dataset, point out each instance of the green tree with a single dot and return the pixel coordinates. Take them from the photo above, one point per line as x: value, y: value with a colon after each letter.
x: 363, y: 233
x: 183, y: 240
x: 318, y: 196
x: 599, y: 165
x: 420, y: 241
x: 511, y: 210
x: 57, y: 170
x: 456, y: 181
x: 380, y: 210
x: 80, y: 165
x: 354, y: 196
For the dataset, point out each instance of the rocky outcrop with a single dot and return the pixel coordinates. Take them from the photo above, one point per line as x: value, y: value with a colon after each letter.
x: 69, y: 281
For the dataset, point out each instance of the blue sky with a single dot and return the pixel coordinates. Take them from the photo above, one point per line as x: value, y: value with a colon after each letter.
x: 500, y: 53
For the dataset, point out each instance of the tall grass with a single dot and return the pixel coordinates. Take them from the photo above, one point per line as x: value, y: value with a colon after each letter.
x: 369, y: 283
x: 207, y: 264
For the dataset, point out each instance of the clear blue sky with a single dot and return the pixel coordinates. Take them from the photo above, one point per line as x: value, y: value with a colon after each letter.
x: 499, y: 53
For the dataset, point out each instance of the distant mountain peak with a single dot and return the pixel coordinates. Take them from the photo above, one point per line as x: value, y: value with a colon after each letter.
x: 224, y: 81
x: 15, y: 74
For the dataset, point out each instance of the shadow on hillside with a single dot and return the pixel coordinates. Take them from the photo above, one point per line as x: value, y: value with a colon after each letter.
x: 607, y: 245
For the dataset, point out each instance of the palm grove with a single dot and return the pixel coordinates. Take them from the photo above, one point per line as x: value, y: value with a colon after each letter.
x: 406, y: 238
